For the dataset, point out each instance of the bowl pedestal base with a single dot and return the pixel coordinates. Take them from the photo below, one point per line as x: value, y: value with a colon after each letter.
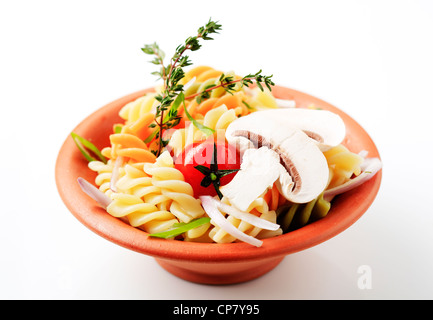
x: 219, y: 272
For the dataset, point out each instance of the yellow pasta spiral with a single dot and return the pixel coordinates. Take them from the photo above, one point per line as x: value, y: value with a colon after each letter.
x: 216, y: 119
x: 259, y: 100
x: 140, y: 214
x: 154, y: 196
x: 127, y: 202
x: 231, y: 101
x: 138, y: 115
x: 219, y: 118
x: 104, y: 173
x: 136, y: 109
x: 175, y: 194
x: 343, y: 164
x: 205, y: 77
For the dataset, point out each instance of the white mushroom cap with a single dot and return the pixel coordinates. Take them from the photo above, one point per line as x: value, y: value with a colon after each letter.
x: 326, y: 128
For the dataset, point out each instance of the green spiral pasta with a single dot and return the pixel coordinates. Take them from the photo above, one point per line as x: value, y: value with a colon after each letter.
x: 293, y: 216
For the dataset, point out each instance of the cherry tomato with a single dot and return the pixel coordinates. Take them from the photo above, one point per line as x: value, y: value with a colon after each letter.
x: 201, y: 153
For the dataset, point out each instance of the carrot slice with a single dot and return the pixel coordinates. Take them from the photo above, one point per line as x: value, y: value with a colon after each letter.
x: 137, y: 154
x: 127, y: 140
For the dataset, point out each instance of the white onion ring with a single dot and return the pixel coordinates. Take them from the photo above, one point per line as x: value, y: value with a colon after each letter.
x: 284, y: 103
x: 189, y: 84
x: 246, y: 216
x: 93, y: 192
x: 369, y: 168
x: 217, y: 217
x: 115, y: 173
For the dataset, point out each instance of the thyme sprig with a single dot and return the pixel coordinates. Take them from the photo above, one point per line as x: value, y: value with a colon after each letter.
x: 166, y: 115
x: 171, y: 75
x: 228, y: 83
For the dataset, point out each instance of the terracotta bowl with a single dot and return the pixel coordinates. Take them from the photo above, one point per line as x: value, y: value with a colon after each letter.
x: 204, y: 262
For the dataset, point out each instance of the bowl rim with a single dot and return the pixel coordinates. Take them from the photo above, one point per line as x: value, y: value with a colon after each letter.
x: 346, y: 209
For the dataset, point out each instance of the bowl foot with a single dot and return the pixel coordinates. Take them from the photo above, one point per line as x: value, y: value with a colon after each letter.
x: 219, y: 273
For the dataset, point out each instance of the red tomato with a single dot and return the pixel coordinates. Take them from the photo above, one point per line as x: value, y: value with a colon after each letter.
x: 201, y: 153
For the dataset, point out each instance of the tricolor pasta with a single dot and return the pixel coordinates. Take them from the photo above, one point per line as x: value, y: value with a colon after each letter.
x: 159, y: 191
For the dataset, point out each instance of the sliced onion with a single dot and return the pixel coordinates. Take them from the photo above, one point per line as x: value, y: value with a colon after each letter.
x: 363, y: 153
x: 369, y: 168
x: 218, y: 218
x: 283, y: 103
x: 115, y: 173
x: 246, y: 216
x: 94, y: 193
x: 189, y: 84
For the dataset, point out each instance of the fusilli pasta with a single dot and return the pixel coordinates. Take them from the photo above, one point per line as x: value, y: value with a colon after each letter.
x: 104, y: 174
x: 342, y: 164
x: 175, y: 194
x: 216, y: 119
x: 293, y: 216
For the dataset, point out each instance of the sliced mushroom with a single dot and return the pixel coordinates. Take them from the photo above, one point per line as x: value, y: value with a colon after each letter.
x: 326, y: 128
x: 260, y: 168
x: 305, y: 170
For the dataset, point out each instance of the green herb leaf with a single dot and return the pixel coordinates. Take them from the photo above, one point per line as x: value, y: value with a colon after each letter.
x: 174, y: 107
x: 206, y: 182
x: 84, y: 144
x: 179, y: 228
x: 222, y: 173
x: 203, y: 169
x: 207, y: 131
x: 247, y: 105
x: 216, y: 185
x: 151, y: 136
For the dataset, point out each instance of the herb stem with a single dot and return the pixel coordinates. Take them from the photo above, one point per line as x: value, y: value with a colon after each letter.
x: 213, y: 88
x: 161, y: 62
x: 228, y: 85
x: 161, y: 127
x: 176, y: 61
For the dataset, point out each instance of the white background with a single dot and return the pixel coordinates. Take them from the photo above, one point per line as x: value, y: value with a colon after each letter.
x: 62, y: 60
